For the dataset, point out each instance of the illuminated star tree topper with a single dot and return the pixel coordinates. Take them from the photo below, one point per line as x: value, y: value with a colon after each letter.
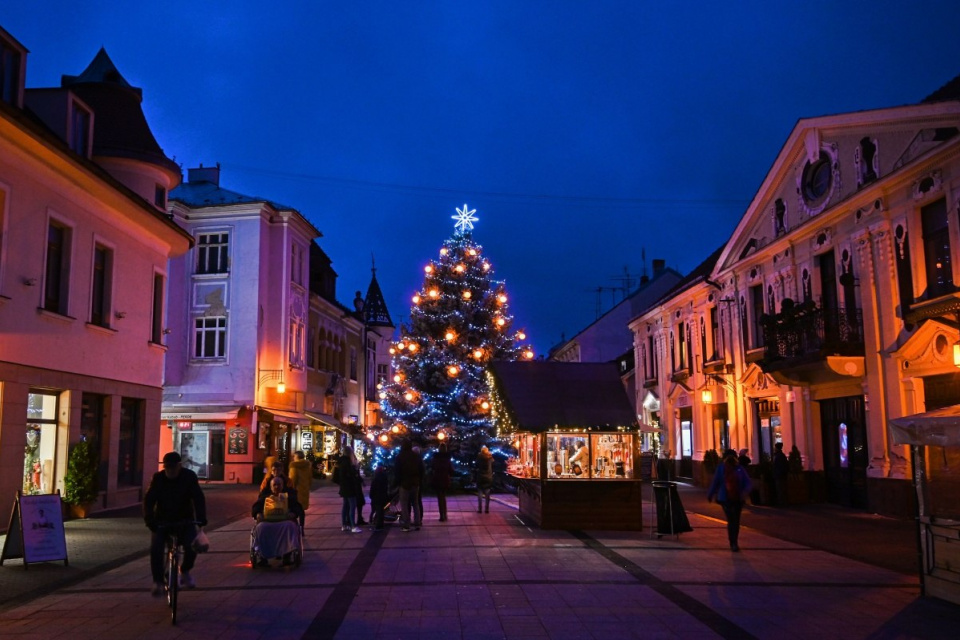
x: 465, y: 219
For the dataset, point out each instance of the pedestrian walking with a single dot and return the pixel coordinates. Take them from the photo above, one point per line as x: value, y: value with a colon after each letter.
x: 347, y: 476
x: 301, y: 476
x: 441, y: 469
x: 781, y: 468
x: 379, y: 496
x: 408, y: 471
x: 484, y: 469
x: 731, y: 486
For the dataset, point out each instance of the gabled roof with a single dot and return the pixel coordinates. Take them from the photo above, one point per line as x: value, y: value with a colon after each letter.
x: 700, y: 273
x: 806, y: 136
x: 207, y: 194
x: 541, y: 395
x: 120, y: 128
x: 375, y: 312
x: 949, y: 91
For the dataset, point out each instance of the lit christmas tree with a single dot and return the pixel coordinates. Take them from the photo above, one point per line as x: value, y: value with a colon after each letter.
x: 459, y: 322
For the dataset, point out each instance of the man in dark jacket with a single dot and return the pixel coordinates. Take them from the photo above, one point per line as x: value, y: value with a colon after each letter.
x: 409, y: 471
x: 173, y: 498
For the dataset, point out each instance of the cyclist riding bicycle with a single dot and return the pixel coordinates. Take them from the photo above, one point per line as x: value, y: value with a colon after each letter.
x: 173, y: 498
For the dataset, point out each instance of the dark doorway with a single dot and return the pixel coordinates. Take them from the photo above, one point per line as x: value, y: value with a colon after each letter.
x: 845, y: 455
x: 686, y: 442
x: 217, y: 442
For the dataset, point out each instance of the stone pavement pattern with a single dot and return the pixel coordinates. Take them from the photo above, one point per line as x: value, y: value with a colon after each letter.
x: 492, y: 576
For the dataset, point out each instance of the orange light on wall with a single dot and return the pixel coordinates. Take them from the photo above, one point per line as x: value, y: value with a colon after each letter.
x: 956, y: 354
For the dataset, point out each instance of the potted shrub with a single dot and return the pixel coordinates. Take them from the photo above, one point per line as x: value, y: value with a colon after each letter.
x: 711, y: 460
x: 80, y: 482
x: 798, y: 491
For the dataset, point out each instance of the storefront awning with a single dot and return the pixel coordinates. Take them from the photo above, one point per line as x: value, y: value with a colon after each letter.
x: 289, y: 417
x: 201, y: 413
x: 325, y: 419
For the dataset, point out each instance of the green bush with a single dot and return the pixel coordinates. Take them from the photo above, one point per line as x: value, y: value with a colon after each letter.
x: 80, y: 482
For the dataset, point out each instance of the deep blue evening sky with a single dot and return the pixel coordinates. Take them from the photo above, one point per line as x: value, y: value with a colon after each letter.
x: 581, y: 132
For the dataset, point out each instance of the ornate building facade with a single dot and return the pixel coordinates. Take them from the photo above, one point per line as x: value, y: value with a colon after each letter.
x: 831, y: 309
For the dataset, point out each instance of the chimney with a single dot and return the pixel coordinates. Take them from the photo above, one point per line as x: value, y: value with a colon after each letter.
x: 659, y: 264
x: 204, y: 174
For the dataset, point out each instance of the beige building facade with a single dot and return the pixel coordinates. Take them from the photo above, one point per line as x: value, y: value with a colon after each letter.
x: 831, y: 309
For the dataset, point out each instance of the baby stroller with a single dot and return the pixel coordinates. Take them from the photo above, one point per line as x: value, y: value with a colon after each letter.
x: 281, y: 540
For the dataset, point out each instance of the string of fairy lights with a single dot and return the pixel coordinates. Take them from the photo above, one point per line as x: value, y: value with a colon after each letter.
x: 459, y: 322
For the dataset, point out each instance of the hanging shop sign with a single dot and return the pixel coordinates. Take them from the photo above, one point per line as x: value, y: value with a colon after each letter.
x: 306, y: 440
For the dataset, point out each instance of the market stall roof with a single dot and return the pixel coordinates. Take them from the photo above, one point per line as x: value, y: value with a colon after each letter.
x: 939, y: 427
x: 538, y: 396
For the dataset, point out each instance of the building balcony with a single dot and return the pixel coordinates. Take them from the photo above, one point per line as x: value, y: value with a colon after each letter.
x: 807, y: 335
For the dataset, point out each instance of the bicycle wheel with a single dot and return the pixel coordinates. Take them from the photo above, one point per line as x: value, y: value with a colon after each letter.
x: 173, y: 584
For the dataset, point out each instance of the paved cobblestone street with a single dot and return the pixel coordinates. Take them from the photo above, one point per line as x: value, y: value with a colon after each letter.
x: 474, y: 576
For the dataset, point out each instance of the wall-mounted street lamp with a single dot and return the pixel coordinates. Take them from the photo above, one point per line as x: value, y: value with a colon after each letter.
x: 707, y: 396
x: 273, y: 374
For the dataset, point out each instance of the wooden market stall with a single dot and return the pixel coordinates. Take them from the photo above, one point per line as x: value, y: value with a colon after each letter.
x: 577, y: 440
x: 934, y: 439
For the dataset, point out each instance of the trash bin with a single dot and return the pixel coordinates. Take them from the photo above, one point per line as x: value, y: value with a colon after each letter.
x: 671, y: 517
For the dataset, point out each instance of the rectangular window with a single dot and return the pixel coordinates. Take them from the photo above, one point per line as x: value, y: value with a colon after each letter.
x: 9, y: 73
x: 57, y: 271
x: 651, y: 353
x: 383, y: 370
x: 79, y: 130
x: 210, y: 337
x: 296, y: 342
x: 936, y: 248
x: 129, y: 455
x: 40, y: 452
x: 156, y: 315
x: 312, y: 347
x: 353, y: 363
x: 682, y: 345
x: 296, y: 264
x: 756, y: 313
x: 715, y: 334
x: 212, y: 251
x: 102, y: 284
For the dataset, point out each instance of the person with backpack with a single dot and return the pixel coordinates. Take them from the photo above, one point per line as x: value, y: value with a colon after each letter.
x: 731, y: 486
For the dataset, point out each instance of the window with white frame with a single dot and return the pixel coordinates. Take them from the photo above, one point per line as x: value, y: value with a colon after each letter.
x: 56, y: 283
x: 296, y: 264
x: 210, y: 337
x: 80, y: 120
x: 213, y: 252
x: 156, y: 311
x: 101, y: 285
x: 296, y: 342
x: 756, y: 316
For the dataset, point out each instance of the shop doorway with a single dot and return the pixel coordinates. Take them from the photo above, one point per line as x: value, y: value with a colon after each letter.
x: 767, y: 419
x: 686, y: 442
x: 202, y: 449
x: 40, y: 450
x: 845, y: 457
